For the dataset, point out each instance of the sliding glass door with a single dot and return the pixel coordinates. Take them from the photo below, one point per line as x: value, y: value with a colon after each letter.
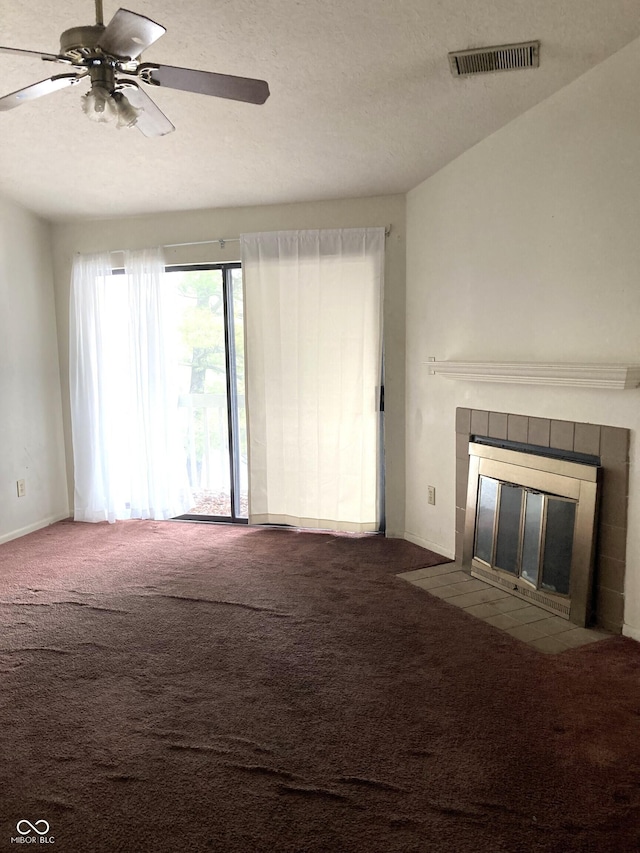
x: 208, y: 308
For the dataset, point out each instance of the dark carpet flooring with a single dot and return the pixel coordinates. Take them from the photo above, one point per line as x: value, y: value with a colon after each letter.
x: 171, y: 686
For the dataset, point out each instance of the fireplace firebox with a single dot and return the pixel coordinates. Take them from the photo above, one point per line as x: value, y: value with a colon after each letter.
x: 530, y: 527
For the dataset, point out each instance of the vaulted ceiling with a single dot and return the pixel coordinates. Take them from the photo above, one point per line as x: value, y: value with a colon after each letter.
x: 362, y: 99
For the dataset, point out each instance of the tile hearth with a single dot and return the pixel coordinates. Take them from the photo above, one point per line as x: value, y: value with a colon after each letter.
x: 533, y: 625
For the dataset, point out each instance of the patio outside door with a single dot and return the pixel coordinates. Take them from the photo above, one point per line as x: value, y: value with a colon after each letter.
x: 210, y: 327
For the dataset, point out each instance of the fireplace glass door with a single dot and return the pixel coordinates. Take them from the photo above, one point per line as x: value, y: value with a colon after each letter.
x: 525, y: 533
x: 530, y: 527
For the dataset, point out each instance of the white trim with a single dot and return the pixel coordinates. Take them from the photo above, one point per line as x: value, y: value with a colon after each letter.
x: 31, y: 528
x: 430, y: 546
x: 617, y: 377
x: 632, y: 633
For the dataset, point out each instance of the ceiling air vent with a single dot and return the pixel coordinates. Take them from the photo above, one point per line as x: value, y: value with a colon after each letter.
x: 504, y: 57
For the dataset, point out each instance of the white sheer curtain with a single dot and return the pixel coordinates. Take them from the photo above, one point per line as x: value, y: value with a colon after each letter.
x: 313, y: 303
x: 127, y: 453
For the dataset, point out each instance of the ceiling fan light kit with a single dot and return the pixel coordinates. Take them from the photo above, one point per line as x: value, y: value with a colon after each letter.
x: 108, y: 57
x: 102, y: 106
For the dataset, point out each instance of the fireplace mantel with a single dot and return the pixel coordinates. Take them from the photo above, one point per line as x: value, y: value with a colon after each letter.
x: 616, y: 377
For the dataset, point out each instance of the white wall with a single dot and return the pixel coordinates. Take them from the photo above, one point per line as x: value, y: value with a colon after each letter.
x: 528, y: 248
x: 97, y: 235
x: 31, y: 435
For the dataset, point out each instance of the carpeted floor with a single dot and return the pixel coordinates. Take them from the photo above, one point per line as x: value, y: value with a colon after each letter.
x: 172, y: 686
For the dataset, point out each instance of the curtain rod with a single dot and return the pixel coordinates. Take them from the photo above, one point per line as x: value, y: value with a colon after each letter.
x: 220, y: 240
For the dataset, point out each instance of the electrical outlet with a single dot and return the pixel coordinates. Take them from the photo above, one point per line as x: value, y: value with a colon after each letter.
x: 431, y: 495
x: 22, y: 488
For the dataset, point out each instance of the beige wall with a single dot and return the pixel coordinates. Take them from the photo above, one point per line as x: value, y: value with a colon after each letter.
x: 91, y: 236
x: 31, y: 435
x: 528, y: 248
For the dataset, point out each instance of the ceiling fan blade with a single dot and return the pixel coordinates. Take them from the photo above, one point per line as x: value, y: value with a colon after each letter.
x: 206, y: 82
x: 37, y: 90
x: 151, y: 121
x: 128, y: 34
x: 48, y: 57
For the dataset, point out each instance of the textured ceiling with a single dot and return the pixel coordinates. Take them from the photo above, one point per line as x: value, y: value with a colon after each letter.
x: 362, y: 100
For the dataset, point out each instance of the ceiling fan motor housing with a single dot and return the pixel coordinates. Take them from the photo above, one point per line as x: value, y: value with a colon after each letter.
x: 81, y: 43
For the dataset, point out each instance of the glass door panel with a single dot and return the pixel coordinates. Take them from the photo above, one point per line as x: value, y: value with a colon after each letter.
x: 558, y: 547
x: 241, y: 454
x: 208, y: 315
x: 508, y: 538
x: 531, y: 537
x: 485, y: 523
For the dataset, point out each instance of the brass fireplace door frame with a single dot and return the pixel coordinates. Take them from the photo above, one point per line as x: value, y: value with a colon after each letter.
x: 551, y: 476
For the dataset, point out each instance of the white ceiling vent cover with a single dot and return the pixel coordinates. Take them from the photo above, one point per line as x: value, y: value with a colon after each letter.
x: 505, y: 57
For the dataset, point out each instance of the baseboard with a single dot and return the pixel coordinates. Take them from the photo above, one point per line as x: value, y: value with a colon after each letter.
x: 394, y: 534
x: 633, y: 633
x: 31, y: 528
x: 430, y: 546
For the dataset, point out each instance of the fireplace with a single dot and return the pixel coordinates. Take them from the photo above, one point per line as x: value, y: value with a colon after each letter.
x: 605, y: 446
x: 530, y: 525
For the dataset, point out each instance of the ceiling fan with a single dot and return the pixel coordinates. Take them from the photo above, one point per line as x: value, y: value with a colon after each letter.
x: 108, y: 57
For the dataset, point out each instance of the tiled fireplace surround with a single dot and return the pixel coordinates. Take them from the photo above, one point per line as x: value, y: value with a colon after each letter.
x: 610, y: 444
